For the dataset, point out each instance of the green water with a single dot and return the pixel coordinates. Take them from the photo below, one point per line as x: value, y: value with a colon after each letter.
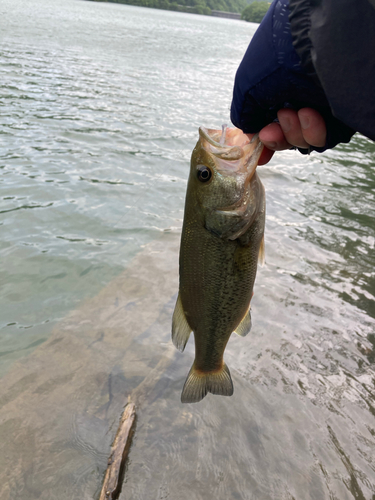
x: 100, y: 106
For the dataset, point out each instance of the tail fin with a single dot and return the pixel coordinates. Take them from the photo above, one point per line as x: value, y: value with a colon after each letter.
x: 198, y: 384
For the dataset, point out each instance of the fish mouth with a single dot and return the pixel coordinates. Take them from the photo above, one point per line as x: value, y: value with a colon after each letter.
x: 226, y: 137
x: 234, y: 150
x: 236, y: 155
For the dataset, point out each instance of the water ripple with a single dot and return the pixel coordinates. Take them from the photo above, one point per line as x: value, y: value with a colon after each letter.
x: 101, y: 105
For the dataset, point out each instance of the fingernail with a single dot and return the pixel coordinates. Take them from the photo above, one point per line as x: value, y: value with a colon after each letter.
x: 271, y: 145
x: 305, y: 121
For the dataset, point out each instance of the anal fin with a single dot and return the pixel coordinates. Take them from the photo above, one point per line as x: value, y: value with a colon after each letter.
x: 245, y: 326
x: 180, y: 327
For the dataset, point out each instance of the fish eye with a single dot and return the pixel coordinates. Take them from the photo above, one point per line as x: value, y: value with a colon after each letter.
x: 204, y: 173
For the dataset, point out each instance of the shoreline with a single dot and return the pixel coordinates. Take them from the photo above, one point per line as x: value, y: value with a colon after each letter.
x: 174, y: 6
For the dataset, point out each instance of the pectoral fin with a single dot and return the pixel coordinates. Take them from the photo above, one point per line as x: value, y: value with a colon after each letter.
x: 262, y: 253
x: 245, y: 326
x: 180, y: 327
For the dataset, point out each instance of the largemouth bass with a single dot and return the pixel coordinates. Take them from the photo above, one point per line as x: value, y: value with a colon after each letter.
x: 222, y: 238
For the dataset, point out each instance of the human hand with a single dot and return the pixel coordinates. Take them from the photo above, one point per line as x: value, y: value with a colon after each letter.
x: 271, y: 84
x: 301, y: 129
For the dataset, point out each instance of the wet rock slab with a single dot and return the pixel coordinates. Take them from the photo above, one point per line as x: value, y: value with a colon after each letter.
x: 60, y: 407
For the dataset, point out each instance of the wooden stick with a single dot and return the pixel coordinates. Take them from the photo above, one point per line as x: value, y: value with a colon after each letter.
x: 120, y: 448
x: 113, y: 478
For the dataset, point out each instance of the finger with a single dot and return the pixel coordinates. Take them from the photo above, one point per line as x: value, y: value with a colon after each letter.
x: 250, y: 136
x: 292, y: 128
x: 313, y: 127
x: 273, y: 137
x: 265, y: 155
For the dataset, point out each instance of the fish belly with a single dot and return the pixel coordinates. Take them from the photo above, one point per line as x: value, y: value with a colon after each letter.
x: 216, y: 285
x: 216, y: 282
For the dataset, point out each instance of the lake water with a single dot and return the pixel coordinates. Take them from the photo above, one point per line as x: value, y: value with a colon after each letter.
x: 100, y: 107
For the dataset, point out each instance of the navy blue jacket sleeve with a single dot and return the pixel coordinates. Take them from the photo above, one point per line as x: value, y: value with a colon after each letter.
x: 335, y: 39
x: 278, y: 70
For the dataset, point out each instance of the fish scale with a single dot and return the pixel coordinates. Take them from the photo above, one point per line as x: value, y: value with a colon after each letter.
x: 221, y: 239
